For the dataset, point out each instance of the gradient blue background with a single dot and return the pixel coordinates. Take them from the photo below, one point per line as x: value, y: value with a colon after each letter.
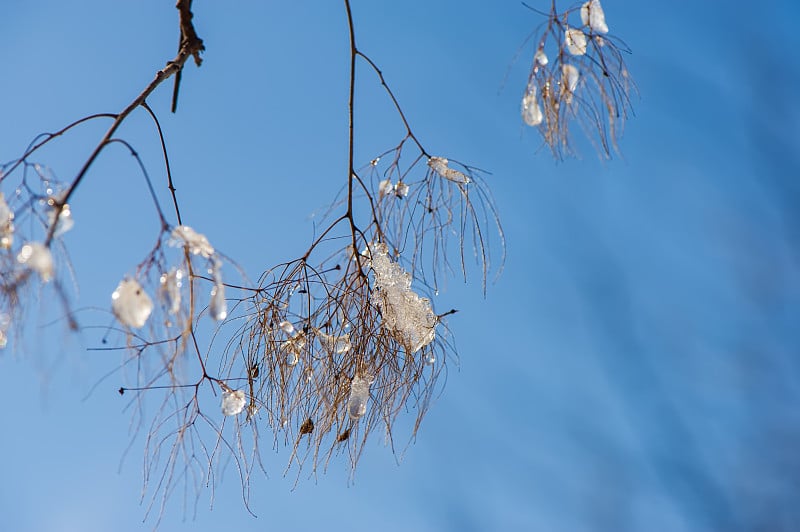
x: 636, y: 367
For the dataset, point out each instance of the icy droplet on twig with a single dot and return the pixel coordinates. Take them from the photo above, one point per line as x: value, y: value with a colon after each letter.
x: 401, y: 189
x: 593, y: 16
x: 439, y: 165
x: 233, y: 402
x: 131, y: 304
x: 359, y: 395
x: 430, y: 357
x: 65, y: 220
x: 198, y: 244
x: 405, y: 314
x: 334, y: 344
x: 575, y: 40
x: 6, y: 224
x: 218, y: 307
x: 171, y: 284
x: 385, y: 187
x: 286, y: 327
x: 540, y: 57
x: 531, y: 112
x: 570, y: 81
x: 37, y: 257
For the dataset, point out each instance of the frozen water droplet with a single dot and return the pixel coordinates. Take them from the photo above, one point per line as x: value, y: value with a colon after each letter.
x: 233, y: 402
x: 430, y: 357
x: 347, y: 326
x: 37, y: 257
x: 171, y: 284
x: 292, y: 359
x: 592, y: 15
x: 359, y: 395
x: 570, y: 82
x: 218, y: 307
x: 385, y: 187
x: 131, y: 304
x: 401, y: 189
x: 540, y: 57
x: 531, y: 112
x: 575, y: 40
x: 287, y: 327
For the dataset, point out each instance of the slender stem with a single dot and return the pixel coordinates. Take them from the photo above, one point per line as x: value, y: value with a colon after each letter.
x: 188, y: 49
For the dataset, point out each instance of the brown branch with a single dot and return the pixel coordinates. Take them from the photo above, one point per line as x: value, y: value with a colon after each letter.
x: 190, y: 40
x: 191, y: 45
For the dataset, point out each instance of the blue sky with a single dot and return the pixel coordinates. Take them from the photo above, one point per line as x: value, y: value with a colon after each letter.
x: 634, y: 368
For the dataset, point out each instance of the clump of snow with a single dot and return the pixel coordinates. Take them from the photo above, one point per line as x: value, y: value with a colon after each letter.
x: 198, y: 244
x: 405, y: 314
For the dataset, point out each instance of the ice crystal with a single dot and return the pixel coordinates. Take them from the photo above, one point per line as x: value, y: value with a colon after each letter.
x: 575, y: 40
x: 286, y: 327
x: 171, y: 284
x: 405, y: 314
x: 531, y: 112
x: 198, y: 244
x: 592, y: 15
x: 6, y: 224
x: 37, y: 257
x: 359, y: 395
x: 439, y: 165
x: 233, y: 402
x: 131, y: 304
x: 570, y: 83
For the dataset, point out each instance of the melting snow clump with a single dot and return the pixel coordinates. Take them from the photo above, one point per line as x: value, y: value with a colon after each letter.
x: 407, y: 315
x: 198, y: 243
x: 439, y: 165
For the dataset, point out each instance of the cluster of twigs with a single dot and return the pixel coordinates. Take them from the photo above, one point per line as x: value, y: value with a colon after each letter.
x: 578, y: 76
x: 323, y: 349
